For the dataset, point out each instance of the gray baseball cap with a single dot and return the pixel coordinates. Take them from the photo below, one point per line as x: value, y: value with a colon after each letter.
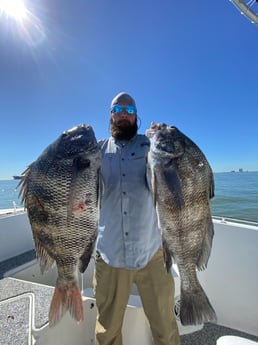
x: 123, y: 97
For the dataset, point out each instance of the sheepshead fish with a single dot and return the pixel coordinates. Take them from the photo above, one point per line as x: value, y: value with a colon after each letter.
x: 60, y: 192
x: 182, y: 184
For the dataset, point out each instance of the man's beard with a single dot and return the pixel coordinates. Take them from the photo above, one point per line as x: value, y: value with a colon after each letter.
x: 122, y: 131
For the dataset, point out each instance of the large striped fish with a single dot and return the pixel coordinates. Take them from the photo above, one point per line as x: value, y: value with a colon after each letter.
x: 182, y: 184
x: 60, y: 192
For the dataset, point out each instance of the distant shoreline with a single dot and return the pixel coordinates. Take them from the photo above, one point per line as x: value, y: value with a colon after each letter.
x: 215, y: 172
x: 235, y: 172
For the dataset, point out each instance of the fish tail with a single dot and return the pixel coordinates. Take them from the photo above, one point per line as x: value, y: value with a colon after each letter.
x: 66, y: 298
x: 195, y: 307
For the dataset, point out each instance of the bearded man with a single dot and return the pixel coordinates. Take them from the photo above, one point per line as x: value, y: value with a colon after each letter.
x: 129, y: 243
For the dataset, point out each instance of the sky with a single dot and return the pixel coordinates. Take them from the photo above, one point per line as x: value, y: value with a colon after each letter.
x: 191, y: 64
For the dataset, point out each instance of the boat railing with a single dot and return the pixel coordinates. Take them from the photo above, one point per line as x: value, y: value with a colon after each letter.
x: 12, y: 211
x: 17, y: 210
x: 222, y: 219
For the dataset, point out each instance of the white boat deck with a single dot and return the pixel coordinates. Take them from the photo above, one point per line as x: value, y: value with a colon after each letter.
x: 25, y: 300
x: 24, y: 311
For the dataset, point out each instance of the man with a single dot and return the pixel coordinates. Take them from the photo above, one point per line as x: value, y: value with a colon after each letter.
x: 129, y: 245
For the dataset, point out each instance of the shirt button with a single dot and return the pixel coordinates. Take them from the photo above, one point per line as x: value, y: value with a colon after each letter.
x: 125, y: 212
x: 126, y: 234
x: 123, y: 174
x: 124, y: 193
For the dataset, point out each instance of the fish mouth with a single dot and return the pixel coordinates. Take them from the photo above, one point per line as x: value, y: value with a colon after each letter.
x: 163, y: 141
x: 79, y: 131
x: 165, y: 151
x: 152, y: 130
x: 79, y: 140
x: 156, y: 127
x: 76, y: 128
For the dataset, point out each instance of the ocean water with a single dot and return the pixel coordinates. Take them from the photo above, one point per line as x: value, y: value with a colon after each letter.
x: 236, y: 195
x: 9, y: 194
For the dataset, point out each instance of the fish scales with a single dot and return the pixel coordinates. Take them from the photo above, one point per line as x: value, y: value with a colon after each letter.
x: 60, y: 191
x: 182, y: 184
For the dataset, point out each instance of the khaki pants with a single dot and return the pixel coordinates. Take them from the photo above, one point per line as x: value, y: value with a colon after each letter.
x: 112, y: 288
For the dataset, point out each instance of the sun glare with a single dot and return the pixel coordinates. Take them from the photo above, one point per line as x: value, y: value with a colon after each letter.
x: 13, y: 8
x: 25, y: 23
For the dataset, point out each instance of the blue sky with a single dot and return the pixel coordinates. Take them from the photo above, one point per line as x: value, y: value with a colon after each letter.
x: 190, y: 64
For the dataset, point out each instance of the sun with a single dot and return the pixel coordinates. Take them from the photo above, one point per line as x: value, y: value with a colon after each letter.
x: 13, y: 8
x: 20, y: 22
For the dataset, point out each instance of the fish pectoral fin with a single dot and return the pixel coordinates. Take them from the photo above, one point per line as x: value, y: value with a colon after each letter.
x: 66, y: 298
x: 154, y: 189
x: 75, y: 205
x: 212, y: 185
x: 99, y: 189
x: 173, y: 184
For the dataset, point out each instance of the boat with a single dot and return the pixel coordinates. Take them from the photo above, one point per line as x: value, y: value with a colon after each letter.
x: 230, y: 281
x: 17, y: 177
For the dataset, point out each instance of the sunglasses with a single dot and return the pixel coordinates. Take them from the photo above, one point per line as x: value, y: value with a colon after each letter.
x: 117, y: 109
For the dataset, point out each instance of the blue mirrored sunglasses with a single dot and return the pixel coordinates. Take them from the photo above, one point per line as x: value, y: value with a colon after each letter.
x: 117, y: 109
